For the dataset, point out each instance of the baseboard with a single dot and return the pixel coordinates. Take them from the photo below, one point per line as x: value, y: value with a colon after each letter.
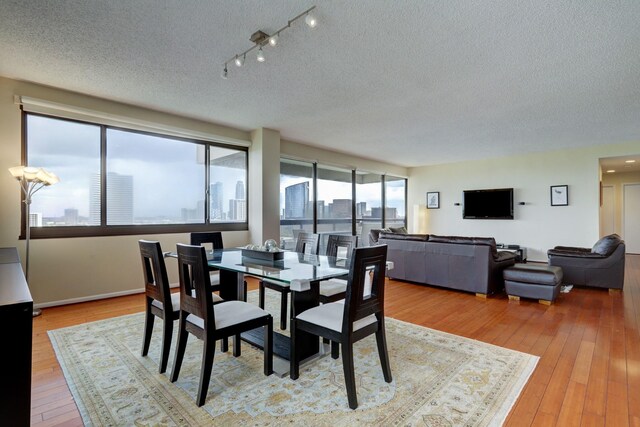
x: 88, y: 298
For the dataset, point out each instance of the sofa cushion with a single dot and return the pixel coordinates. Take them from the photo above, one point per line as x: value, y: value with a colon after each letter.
x: 398, y: 230
x: 606, y: 245
x: 486, y: 241
x: 395, y: 236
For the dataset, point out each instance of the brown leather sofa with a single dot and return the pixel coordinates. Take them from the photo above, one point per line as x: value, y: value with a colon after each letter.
x: 469, y: 264
x: 601, y: 266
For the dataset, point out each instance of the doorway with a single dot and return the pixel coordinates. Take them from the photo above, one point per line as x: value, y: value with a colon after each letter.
x: 631, y: 217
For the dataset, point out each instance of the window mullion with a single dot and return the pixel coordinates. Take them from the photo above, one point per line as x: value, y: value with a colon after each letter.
x: 353, y: 202
x: 315, y: 197
x: 207, y: 185
x: 103, y: 176
x: 384, y: 201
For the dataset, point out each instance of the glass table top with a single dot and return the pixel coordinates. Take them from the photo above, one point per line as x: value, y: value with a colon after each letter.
x: 294, y: 267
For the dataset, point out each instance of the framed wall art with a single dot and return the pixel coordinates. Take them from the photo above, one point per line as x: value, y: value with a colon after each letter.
x: 433, y: 200
x: 559, y: 195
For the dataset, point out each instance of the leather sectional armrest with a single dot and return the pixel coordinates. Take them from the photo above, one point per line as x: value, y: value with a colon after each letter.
x: 571, y: 249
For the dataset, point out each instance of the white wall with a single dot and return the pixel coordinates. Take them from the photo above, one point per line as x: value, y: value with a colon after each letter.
x: 537, y: 225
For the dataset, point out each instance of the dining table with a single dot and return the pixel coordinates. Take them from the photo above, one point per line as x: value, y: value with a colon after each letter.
x: 302, y: 273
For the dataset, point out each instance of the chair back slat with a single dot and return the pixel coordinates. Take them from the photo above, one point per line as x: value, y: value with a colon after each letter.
x: 337, y: 243
x: 307, y: 243
x: 212, y: 237
x: 156, y: 282
x: 366, y: 261
x: 195, y: 283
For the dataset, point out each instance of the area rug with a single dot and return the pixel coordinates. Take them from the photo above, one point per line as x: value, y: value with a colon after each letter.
x: 439, y: 379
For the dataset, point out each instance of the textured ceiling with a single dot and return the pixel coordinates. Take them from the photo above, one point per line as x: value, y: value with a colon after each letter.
x: 407, y: 82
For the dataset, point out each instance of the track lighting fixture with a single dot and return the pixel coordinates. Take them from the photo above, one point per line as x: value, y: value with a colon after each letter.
x: 260, y: 39
x: 311, y: 20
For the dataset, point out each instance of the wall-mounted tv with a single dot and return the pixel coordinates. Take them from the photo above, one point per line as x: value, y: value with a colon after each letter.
x: 488, y: 204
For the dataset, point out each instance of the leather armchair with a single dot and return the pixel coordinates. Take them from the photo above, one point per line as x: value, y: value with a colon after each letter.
x: 601, y: 266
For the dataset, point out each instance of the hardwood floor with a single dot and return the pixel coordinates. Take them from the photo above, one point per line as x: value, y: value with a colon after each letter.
x: 588, y: 343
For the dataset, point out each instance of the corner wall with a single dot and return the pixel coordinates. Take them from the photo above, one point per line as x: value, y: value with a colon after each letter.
x: 537, y: 225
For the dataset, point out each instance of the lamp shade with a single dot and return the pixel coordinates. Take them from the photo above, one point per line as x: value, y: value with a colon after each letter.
x: 17, y: 171
x: 30, y: 173
x: 34, y: 174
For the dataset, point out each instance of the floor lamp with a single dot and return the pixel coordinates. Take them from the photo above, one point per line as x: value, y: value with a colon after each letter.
x: 31, y: 180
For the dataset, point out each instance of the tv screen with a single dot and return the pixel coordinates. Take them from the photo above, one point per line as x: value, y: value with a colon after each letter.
x: 488, y: 204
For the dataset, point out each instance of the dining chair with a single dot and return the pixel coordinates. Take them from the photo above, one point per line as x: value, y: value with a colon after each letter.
x: 159, y: 301
x: 307, y: 243
x: 338, y: 246
x: 215, y: 239
x: 361, y: 315
x: 209, y: 322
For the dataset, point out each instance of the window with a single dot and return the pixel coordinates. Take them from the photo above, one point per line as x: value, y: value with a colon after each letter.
x: 395, y: 190
x: 118, y: 181
x: 71, y: 150
x: 152, y: 180
x: 296, y: 195
x: 368, y: 203
x: 333, y: 201
x: 228, y: 187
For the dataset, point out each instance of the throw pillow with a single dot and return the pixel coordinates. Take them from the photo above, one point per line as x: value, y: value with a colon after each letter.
x: 398, y: 230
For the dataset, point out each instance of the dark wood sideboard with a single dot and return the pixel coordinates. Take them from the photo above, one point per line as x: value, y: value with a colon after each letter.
x: 16, y: 318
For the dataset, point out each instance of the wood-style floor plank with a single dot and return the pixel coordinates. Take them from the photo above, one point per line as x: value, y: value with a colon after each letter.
x: 588, y: 343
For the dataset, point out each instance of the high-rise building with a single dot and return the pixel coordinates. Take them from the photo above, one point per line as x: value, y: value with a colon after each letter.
x: 237, y: 210
x: 296, y: 200
x: 216, y: 196
x: 71, y: 216
x: 240, y: 190
x: 119, y: 199
x: 94, y: 200
x: 361, y: 209
x: 341, y: 208
x: 390, y: 213
x: 35, y: 219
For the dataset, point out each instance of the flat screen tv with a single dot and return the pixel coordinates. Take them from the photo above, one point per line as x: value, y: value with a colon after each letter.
x: 488, y: 204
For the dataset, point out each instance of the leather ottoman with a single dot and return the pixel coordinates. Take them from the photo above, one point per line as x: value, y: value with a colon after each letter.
x: 541, y: 282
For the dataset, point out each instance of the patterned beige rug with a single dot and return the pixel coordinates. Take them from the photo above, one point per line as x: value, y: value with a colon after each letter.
x: 439, y: 380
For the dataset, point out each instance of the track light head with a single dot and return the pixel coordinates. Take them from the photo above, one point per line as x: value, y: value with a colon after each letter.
x: 273, y: 40
x: 225, y: 72
x: 260, y: 57
x: 311, y: 20
x: 239, y: 60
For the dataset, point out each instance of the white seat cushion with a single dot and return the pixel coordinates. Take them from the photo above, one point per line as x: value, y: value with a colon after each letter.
x: 332, y: 287
x: 230, y: 313
x: 330, y: 316
x: 175, y: 301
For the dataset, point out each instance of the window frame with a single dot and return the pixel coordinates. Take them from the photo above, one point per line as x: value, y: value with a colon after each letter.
x: 134, y: 229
